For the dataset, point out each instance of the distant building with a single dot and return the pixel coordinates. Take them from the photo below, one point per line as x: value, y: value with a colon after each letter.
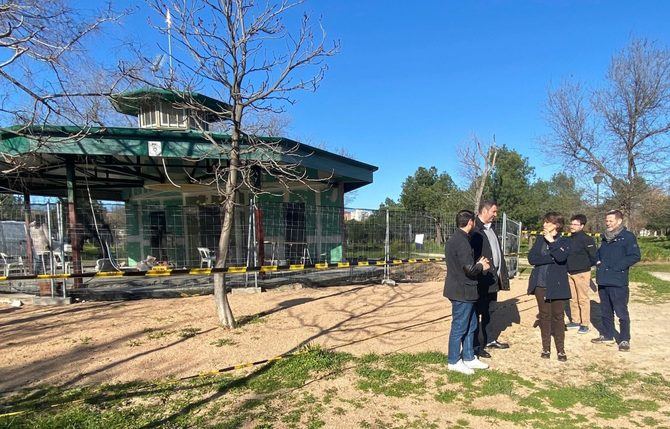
x: 357, y: 215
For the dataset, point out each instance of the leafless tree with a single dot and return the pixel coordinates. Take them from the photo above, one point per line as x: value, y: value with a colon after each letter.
x: 243, y: 52
x: 477, y: 160
x: 621, y: 130
x: 46, y: 76
x: 43, y: 52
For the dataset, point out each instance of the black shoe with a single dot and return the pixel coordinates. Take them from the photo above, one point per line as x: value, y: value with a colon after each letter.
x: 603, y: 340
x: 562, y: 357
x: 497, y: 345
x: 624, y: 346
x: 484, y: 354
x: 545, y: 354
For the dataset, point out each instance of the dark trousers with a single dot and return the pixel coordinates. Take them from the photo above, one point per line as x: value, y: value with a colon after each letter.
x: 614, y: 300
x: 483, y: 307
x: 551, y: 320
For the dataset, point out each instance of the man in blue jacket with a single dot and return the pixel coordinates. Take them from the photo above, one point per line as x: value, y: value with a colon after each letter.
x: 617, y: 253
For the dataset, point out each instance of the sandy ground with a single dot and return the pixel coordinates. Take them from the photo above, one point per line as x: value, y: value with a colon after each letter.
x: 122, y: 341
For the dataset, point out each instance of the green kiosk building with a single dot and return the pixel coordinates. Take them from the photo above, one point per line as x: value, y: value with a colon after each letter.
x: 161, y: 175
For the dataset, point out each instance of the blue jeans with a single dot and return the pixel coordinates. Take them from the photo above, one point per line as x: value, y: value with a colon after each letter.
x: 614, y: 300
x: 463, y: 328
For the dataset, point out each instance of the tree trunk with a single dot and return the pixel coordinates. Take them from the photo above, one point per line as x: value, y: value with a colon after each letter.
x: 223, y: 309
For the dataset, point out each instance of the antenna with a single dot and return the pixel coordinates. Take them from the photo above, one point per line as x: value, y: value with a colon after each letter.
x: 168, y: 21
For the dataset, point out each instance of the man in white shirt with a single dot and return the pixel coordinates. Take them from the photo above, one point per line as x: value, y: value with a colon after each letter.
x: 485, y: 243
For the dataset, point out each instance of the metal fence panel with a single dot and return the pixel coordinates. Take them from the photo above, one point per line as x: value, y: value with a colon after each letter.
x: 118, y: 236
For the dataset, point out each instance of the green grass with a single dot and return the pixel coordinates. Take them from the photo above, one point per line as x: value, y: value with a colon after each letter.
x: 397, y: 375
x: 296, y: 370
x: 282, y: 394
x: 652, y: 287
x: 223, y: 342
x: 655, y: 248
x: 189, y: 332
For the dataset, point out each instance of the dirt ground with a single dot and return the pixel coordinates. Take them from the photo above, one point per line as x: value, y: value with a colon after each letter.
x: 122, y: 341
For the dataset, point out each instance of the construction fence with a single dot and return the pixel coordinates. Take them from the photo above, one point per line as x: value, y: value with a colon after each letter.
x: 137, y: 236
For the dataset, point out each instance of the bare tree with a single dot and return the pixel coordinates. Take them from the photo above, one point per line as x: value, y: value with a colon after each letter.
x: 43, y: 53
x: 477, y: 162
x: 46, y: 74
x: 619, y: 131
x: 243, y: 52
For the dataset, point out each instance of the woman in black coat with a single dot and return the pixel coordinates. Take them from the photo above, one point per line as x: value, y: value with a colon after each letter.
x: 549, y: 282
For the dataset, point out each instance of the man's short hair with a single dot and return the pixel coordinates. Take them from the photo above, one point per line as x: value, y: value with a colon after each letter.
x: 617, y: 213
x: 579, y: 217
x: 463, y: 217
x: 486, y: 204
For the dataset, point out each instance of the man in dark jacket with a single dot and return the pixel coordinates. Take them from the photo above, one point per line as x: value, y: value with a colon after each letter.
x: 460, y: 287
x: 486, y: 244
x: 617, y: 253
x: 582, y: 257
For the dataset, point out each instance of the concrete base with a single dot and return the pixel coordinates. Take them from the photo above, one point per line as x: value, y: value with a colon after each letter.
x: 239, y: 290
x: 16, y: 299
x: 47, y: 300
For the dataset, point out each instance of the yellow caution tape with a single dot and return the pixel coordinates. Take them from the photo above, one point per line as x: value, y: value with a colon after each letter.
x: 565, y: 234
x: 163, y: 271
x: 109, y: 274
x: 158, y: 273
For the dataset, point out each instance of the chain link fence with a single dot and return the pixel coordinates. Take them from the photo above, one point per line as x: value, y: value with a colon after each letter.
x: 137, y: 235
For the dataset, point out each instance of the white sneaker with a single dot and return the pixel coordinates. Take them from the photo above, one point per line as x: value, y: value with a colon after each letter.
x: 460, y: 367
x: 475, y: 364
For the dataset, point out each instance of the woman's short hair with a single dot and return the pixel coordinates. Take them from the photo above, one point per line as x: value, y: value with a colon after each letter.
x: 555, y: 218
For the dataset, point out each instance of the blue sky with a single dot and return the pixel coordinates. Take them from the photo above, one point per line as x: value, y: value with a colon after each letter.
x: 414, y: 80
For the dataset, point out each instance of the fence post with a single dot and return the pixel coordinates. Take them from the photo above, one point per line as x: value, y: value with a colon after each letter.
x: 387, y: 253
x: 27, y: 215
x: 51, y: 251
x: 251, y: 243
x: 504, y: 234
x: 61, y: 237
x: 518, y: 243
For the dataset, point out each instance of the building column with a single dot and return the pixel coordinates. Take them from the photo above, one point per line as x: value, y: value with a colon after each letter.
x: 72, y: 219
x: 343, y: 229
x: 29, y: 240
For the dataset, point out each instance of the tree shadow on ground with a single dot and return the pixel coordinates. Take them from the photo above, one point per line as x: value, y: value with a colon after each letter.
x: 285, y: 305
x: 373, y: 316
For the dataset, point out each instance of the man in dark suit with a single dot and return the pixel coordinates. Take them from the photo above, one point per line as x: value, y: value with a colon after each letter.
x: 485, y: 243
x: 460, y: 287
